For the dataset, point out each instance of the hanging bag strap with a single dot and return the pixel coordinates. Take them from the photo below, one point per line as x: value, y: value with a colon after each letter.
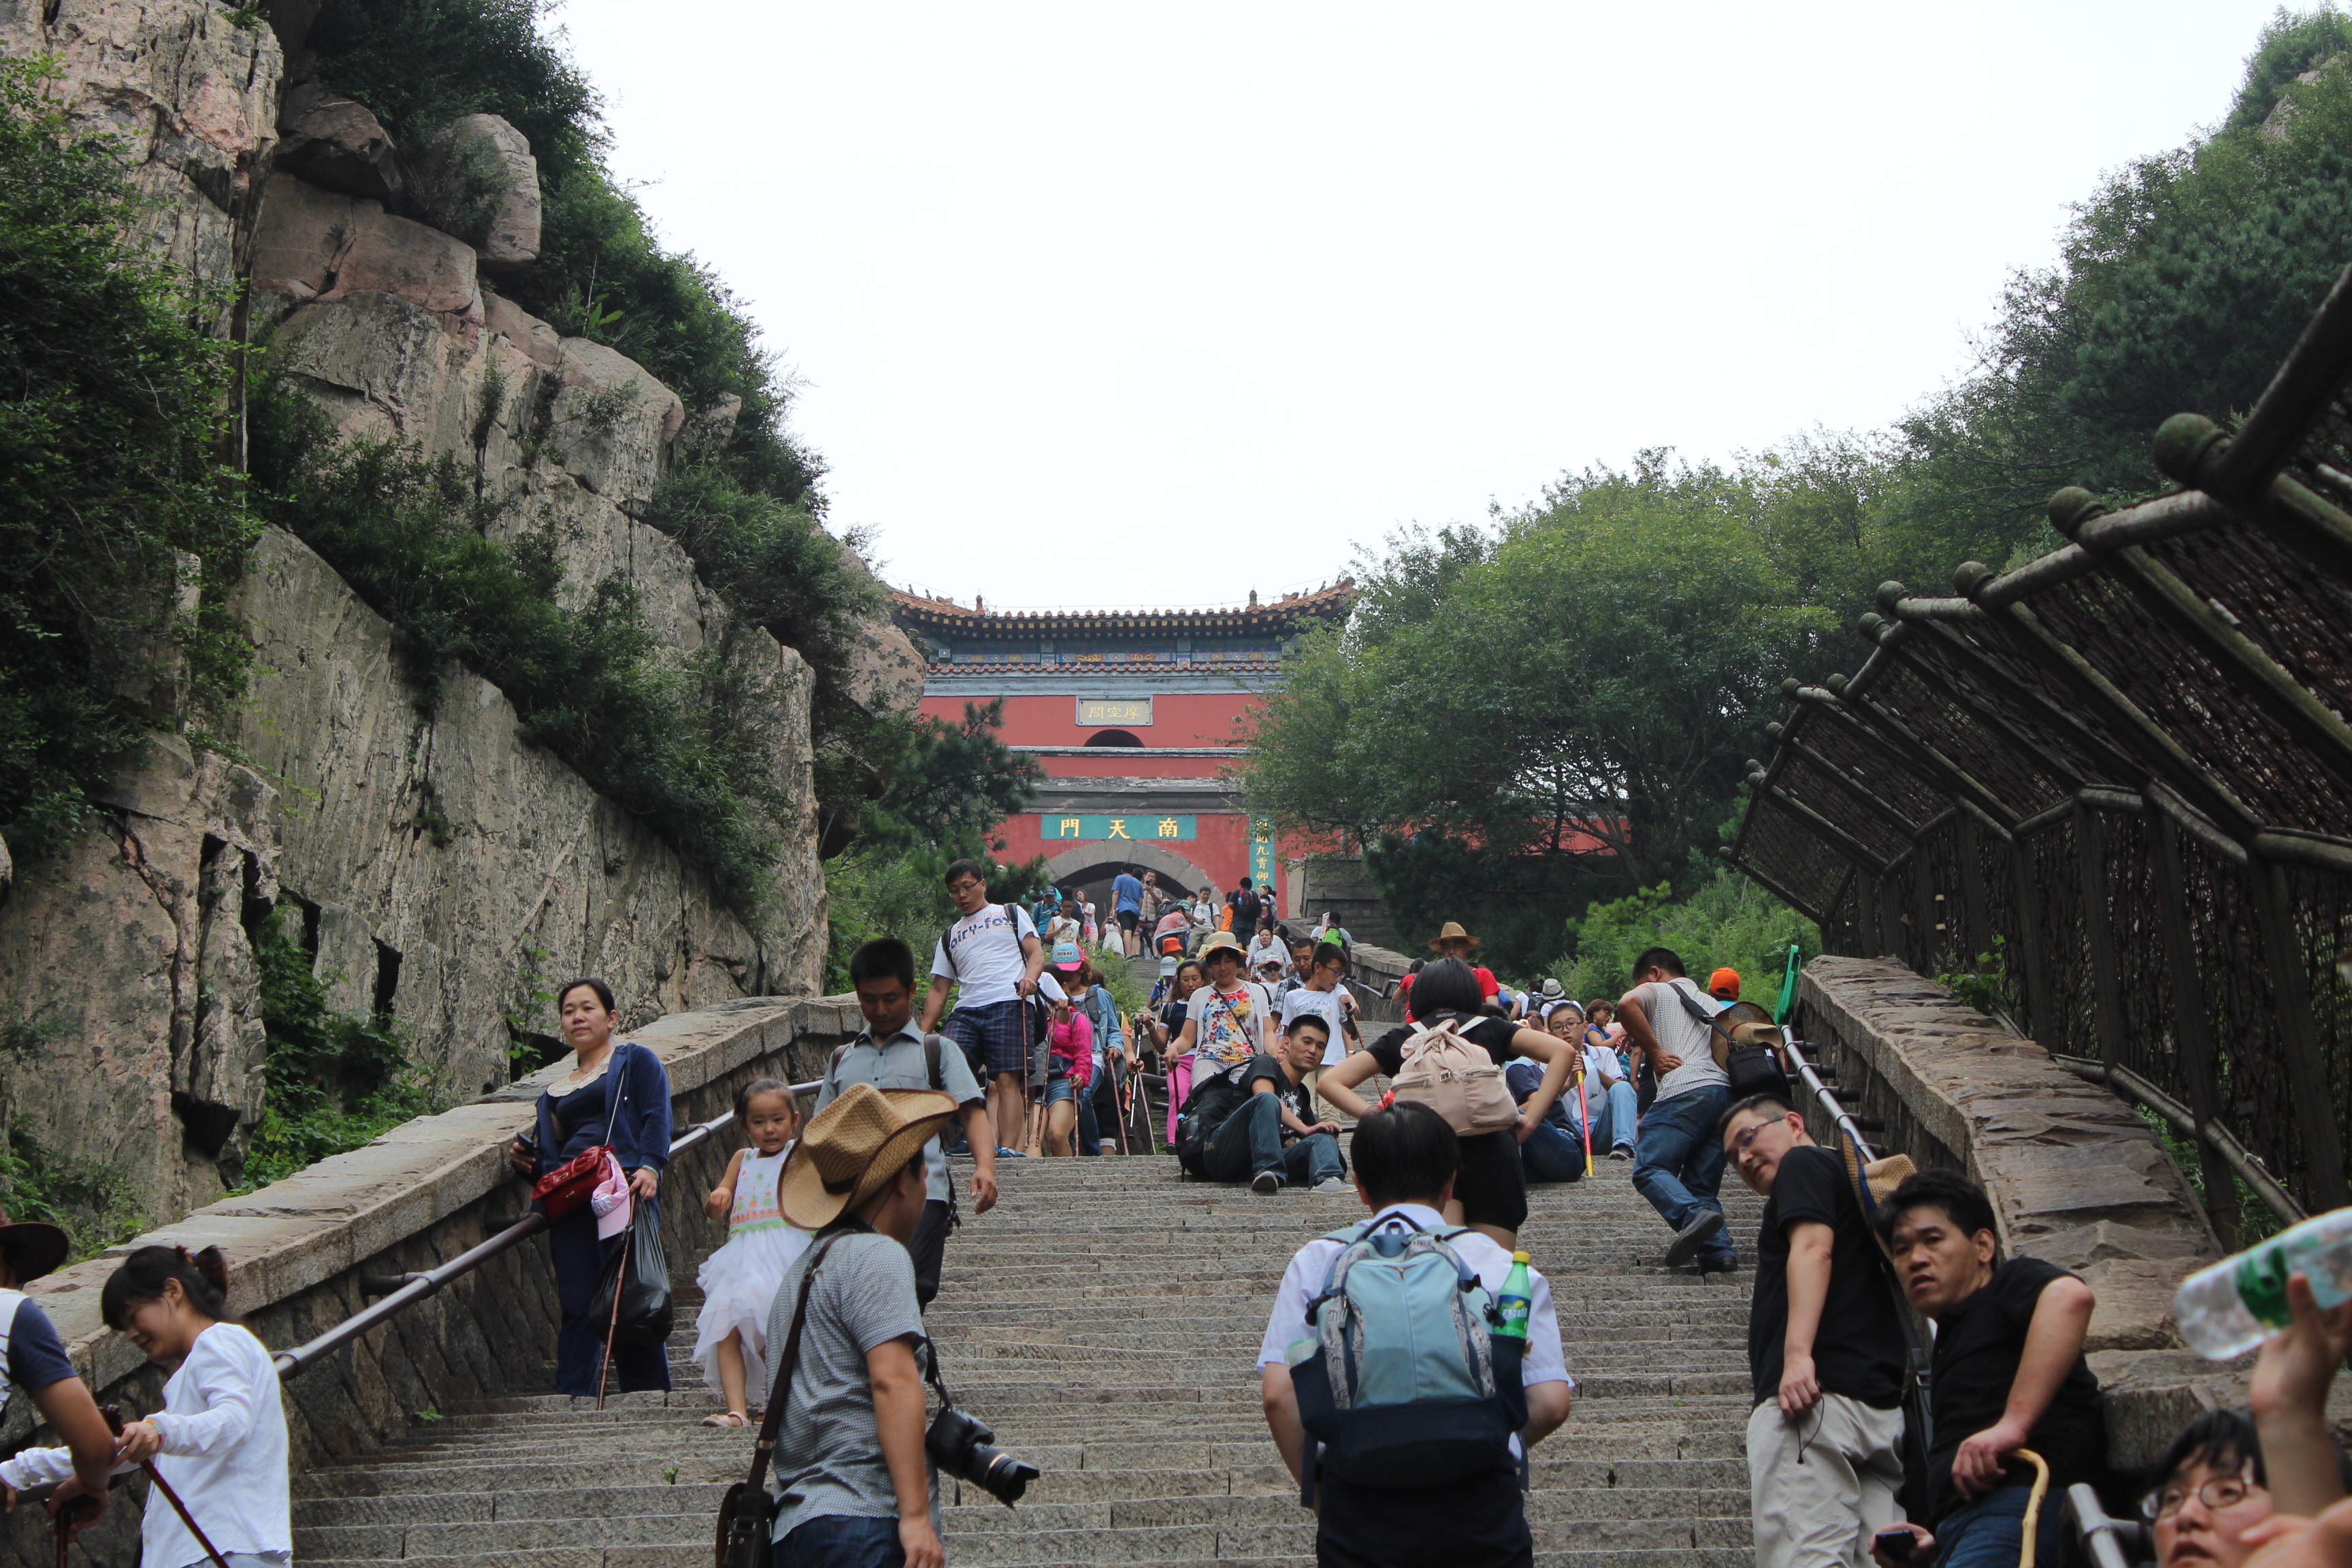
x: 1706, y: 1021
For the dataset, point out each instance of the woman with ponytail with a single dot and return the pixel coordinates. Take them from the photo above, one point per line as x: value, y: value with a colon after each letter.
x: 218, y: 1445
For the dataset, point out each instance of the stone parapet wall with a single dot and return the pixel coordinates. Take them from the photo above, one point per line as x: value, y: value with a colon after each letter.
x: 2076, y: 1176
x: 415, y: 1198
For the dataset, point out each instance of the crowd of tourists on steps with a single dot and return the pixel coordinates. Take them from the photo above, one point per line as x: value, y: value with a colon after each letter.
x: 1412, y: 1357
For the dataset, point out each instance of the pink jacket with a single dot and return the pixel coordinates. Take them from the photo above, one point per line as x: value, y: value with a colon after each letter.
x: 1076, y: 1041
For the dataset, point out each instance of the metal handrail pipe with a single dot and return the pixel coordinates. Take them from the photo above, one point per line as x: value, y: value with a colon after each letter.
x: 2138, y: 1089
x: 1812, y: 1081
x: 2103, y: 1535
x: 417, y: 1286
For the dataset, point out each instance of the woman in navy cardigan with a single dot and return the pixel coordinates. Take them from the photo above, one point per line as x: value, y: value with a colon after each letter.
x: 616, y: 1087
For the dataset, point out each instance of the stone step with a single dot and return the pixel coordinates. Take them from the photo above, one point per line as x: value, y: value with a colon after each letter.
x: 1105, y: 1319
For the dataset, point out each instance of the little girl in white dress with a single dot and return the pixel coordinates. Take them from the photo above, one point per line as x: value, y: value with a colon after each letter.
x: 739, y: 1280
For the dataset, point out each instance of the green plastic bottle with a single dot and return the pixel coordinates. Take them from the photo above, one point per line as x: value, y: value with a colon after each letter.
x: 1517, y: 1300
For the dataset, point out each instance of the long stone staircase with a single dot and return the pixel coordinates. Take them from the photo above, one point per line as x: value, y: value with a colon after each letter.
x: 1105, y: 1319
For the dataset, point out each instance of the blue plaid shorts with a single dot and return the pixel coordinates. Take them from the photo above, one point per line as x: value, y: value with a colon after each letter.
x: 996, y: 1034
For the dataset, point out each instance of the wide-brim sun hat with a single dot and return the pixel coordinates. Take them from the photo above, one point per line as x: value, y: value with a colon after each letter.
x: 1221, y: 941
x: 32, y: 1248
x: 854, y: 1146
x: 1451, y: 931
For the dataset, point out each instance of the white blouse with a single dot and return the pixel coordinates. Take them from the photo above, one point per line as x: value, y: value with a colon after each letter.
x: 224, y: 1452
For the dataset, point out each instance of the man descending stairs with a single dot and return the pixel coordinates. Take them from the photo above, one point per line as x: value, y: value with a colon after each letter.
x: 1105, y: 1320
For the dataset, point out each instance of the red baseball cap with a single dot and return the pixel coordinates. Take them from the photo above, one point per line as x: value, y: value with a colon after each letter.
x: 1724, y: 984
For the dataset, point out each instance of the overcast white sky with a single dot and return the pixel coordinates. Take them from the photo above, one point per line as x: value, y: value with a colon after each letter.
x: 1138, y: 303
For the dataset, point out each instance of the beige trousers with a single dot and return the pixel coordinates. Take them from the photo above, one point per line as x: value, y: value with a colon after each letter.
x: 1820, y: 1487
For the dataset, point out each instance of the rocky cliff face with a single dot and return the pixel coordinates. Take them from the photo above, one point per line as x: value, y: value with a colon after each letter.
x: 446, y: 869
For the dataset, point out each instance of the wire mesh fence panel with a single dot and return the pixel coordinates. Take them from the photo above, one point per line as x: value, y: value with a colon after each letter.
x: 2063, y: 1019
x: 2171, y: 694
x: 2254, y: 1094
x: 2319, y: 908
x: 2171, y: 680
x: 2149, y: 1043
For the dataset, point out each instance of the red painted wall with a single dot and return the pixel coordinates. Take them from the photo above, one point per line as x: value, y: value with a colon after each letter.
x: 1179, y: 719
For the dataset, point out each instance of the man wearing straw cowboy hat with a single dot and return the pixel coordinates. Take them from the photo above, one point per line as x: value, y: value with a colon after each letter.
x: 850, y: 1466
x: 1825, y: 1349
x: 1452, y: 941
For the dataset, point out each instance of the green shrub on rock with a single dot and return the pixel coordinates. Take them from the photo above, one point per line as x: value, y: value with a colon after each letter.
x: 118, y: 528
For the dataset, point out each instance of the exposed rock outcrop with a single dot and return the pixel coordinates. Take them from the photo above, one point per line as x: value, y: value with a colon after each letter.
x: 447, y: 872
x: 192, y: 96
x: 127, y: 962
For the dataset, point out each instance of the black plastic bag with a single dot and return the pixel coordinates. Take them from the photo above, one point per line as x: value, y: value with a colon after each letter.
x: 646, y: 1314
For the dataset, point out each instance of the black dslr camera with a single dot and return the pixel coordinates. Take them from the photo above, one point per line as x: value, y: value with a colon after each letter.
x: 964, y: 1446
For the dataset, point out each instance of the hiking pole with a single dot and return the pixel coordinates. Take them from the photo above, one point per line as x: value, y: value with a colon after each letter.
x: 1584, y: 1104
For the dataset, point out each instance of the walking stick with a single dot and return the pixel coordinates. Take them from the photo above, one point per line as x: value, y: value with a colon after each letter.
x: 1584, y: 1104
x: 113, y: 1414
x: 612, y: 1330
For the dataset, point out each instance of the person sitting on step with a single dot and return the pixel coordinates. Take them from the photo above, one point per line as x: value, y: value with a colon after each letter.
x: 1258, y: 1123
x: 2008, y: 1374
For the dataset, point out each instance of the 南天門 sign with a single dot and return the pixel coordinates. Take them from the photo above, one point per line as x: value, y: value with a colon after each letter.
x: 1145, y: 826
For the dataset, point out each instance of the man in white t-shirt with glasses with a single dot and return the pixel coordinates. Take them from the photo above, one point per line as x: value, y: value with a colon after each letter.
x: 1678, y: 1159
x: 992, y: 953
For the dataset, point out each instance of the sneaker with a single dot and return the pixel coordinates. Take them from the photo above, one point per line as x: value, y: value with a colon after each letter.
x: 1011, y: 1154
x: 1620, y: 1152
x: 1717, y: 1265
x: 1265, y: 1183
x: 1687, y: 1241
x: 1335, y: 1184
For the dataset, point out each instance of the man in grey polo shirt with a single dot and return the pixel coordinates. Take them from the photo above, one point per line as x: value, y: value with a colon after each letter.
x: 889, y: 1052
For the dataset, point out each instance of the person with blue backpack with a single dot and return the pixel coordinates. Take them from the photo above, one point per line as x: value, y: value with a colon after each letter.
x: 1409, y: 1365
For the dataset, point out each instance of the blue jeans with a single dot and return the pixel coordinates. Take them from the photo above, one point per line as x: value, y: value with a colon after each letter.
x: 841, y: 1540
x: 1552, y: 1155
x: 1613, y: 1115
x: 1251, y: 1141
x: 1678, y: 1164
x: 1990, y: 1531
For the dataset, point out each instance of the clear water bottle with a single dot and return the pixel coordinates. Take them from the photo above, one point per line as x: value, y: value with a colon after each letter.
x: 2228, y: 1309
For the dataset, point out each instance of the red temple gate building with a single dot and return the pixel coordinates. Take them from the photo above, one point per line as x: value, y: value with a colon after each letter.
x: 1133, y: 715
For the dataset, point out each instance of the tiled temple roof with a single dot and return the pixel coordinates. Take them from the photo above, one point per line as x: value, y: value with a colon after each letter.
x: 916, y: 611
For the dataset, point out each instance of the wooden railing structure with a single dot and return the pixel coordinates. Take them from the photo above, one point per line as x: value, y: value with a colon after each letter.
x: 2124, y: 769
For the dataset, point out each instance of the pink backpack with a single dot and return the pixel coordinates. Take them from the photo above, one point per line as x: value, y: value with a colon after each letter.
x: 1455, y: 1078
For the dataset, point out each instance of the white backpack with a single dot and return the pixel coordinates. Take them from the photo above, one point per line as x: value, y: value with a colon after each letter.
x: 1455, y: 1078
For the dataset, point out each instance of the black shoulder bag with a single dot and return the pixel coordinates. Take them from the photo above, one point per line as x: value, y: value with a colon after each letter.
x: 1753, y: 1069
x: 746, y: 1514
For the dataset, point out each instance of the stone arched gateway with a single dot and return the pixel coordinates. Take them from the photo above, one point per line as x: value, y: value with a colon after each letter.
x: 1092, y: 865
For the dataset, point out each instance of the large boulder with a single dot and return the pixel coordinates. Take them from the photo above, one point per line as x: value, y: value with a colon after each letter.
x: 885, y: 669
x: 313, y: 244
x: 478, y: 180
x: 611, y: 423
x: 335, y: 143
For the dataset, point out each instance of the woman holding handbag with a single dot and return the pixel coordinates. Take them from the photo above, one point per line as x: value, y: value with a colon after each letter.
x: 616, y: 1097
